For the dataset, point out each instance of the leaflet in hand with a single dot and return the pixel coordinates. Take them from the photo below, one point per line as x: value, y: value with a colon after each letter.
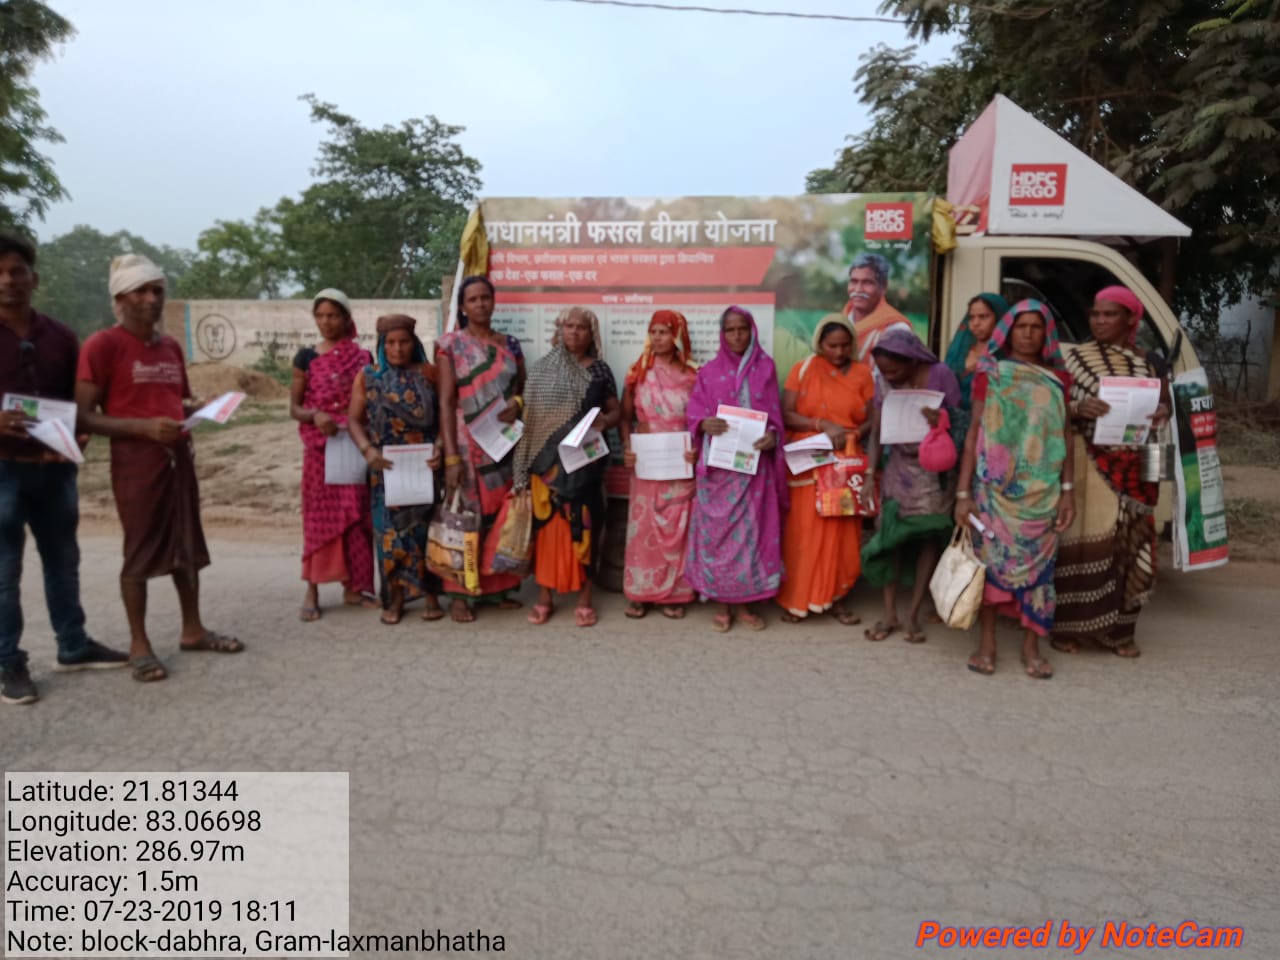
x: 660, y: 456
x: 409, y: 482
x: 55, y: 435
x: 803, y: 455
x: 219, y: 411
x: 343, y: 464
x: 495, y: 437
x: 584, y: 444
x: 42, y: 408
x: 735, y: 448
x: 1133, y: 400
x: 900, y: 418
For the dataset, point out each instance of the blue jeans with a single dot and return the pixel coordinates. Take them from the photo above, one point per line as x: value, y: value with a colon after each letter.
x: 41, y: 496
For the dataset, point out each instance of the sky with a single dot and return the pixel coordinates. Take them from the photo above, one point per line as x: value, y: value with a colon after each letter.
x: 180, y: 114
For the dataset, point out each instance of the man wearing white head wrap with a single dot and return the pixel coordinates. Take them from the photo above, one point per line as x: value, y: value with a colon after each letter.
x: 131, y: 386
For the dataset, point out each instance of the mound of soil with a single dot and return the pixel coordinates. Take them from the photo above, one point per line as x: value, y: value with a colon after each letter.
x: 209, y: 380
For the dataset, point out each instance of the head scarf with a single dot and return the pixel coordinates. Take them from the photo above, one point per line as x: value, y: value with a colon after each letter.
x: 834, y: 320
x: 342, y: 300
x: 964, y: 338
x: 905, y: 345
x: 553, y: 394
x: 1129, y: 300
x: 398, y: 321
x: 997, y: 346
x: 684, y: 349
x: 129, y: 271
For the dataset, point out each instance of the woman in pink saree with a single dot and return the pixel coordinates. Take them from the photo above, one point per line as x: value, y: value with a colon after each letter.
x: 655, y: 399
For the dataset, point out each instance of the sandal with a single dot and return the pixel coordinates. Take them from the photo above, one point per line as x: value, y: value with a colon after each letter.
x: 1038, y: 668
x: 752, y: 620
x: 147, y: 669
x: 213, y: 642
x: 433, y: 613
x: 721, y: 622
x: 391, y: 617
x: 673, y: 612
x: 309, y: 614
x: 461, y: 612
x: 1064, y: 646
x: 584, y: 616
x: 881, y: 631
x: 636, y: 611
x: 915, y: 636
x: 540, y: 614
x: 1127, y: 651
x: 846, y: 617
x: 507, y: 603
x: 982, y: 663
x: 789, y: 617
x: 361, y: 599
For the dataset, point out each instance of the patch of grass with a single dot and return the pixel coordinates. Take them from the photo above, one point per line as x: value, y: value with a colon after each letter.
x: 1252, y: 520
x: 232, y: 449
x: 251, y: 413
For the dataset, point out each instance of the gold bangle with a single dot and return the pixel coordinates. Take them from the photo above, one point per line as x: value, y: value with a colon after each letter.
x: 364, y: 447
x: 452, y: 460
x: 519, y: 401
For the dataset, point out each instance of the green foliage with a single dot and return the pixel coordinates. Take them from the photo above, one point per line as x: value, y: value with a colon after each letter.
x: 274, y: 362
x: 73, y: 274
x: 1172, y: 96
x: 383, y: 218
x: 29, y: 32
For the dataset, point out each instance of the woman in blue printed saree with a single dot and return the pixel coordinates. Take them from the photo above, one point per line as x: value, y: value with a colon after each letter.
x: 1015, y: 478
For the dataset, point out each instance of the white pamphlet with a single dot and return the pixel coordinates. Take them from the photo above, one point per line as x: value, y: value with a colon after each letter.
x: 343, y: 464
x: 219, y: 410
x: 735, y: 448
x: 409, y: 482
x: 55, y: 435
x: 900, y: 418
x: 803, y: 455
x: 495, y: 437
x: 584, y: 444
x: 660, y: 456
x: 42, y: 408
x: 1133, y: 401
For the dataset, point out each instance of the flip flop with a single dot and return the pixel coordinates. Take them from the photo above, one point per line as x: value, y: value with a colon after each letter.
x: 881, y: 631
x: 753, y: 620
x: 540, y: 614
x: 584, y: 616
x: 983, y: 664
x: 309, y: 614
x: 1127, y: 651
x: 1038, y: 668
x: 213, y: 642
x: 1064, y: 646
x: 673, y: 613
x: 721, y: 622
x: 433, y: 613
x: 460, y: 612
x: 846, y: 617
x: 148, y: 669
x: 915, y: 636
x: 636, y: 611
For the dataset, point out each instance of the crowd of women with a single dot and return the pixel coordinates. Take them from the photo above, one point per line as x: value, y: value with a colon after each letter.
x: 1070, y: 540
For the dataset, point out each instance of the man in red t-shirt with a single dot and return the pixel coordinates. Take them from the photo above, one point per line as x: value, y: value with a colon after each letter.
x: 131, y: 386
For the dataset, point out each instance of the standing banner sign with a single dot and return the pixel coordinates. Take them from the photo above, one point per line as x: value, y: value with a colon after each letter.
x: 1200, y: 520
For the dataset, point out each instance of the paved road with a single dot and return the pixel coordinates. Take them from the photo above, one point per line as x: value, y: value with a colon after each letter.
x: 647, y: 790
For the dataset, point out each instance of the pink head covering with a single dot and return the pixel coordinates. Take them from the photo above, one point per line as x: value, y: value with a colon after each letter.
x: 1129, y: 300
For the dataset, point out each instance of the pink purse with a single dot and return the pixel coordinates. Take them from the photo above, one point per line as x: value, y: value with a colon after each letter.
x: 937, y: 450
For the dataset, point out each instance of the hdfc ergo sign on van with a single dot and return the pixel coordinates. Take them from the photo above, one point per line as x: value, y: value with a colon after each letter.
x: 1038, y: 185
x: 887, y: 221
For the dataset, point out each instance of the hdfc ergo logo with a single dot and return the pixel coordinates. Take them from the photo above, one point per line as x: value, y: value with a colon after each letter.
x: 1038, y: 184
x: 887, y: 221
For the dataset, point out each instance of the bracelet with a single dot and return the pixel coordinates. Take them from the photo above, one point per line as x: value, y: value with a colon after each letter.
x: 519, y: 401
x: 817, y: 424
x: 962, y: 494
x: 452, y: 460
x: 1067, y: 485
x: 365, y: 447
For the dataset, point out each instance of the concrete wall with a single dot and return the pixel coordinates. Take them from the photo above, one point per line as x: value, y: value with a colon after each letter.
x: 238, y: 332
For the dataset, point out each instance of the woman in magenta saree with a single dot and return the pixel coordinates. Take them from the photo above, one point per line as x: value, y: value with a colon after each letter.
x: 735, y: 531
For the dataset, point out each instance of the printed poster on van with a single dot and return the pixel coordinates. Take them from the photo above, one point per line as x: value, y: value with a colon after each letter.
x: 1200, y: 517
x: 785, y: 259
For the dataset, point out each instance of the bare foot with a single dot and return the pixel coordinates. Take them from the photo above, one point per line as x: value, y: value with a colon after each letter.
x: 460, y: 611
x: 1064, y: 646
x: 1037, y: 667
x: 982, y: 663
x: 1127, y: 650
x: 353, y: 598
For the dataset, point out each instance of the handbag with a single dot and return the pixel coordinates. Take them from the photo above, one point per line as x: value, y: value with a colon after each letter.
x: 957, y: 582
x: 842, y: 487
x: 937, y: 449
x: 509, y: 545
x: 453, y: 544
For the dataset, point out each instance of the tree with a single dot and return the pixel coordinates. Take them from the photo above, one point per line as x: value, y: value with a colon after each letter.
x: 1108, y: 77
x: 73, y: 274
x: 383, y: 218
x: 29, y: 31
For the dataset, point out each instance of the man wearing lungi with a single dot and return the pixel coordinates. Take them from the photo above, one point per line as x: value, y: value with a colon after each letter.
x: 131, y: 386
x: 37, y: 485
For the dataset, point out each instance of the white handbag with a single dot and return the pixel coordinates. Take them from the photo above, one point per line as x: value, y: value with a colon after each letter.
x: 957, y: 582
